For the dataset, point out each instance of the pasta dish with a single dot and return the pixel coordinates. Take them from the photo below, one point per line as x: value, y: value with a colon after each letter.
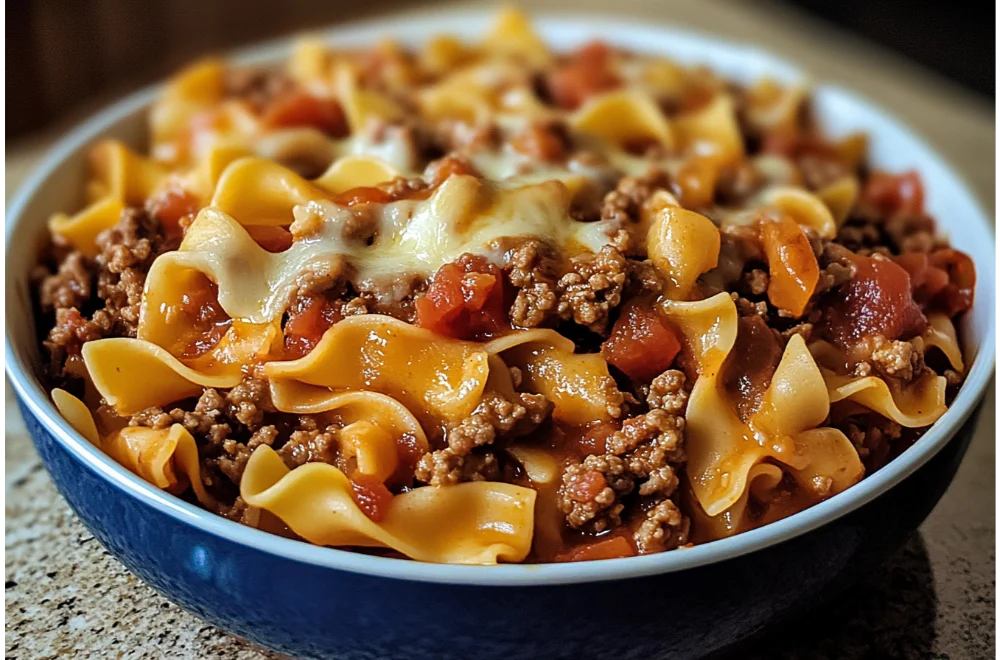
x: 481, y: 303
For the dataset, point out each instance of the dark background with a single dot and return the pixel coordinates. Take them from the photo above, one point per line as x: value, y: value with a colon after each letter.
x: 62, y: 53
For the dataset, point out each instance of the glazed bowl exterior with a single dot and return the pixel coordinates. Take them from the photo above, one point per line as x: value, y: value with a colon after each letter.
x: 317, y: 602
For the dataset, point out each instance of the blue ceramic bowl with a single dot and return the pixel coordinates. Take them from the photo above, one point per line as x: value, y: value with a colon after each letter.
x: 318, y: 602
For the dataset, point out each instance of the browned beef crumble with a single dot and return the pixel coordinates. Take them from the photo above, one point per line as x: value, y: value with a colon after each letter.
x: 592, y: 288
x: 874, y: 438
x: 69, y: 286
x: 648, y: 451
x: 590, y: 492
x: 737, y: 183
x: 531, y: 269
x: 468, y: 454
x: 621, y: 208
x: 392, y: 296
x: 110, y: 285
x: 127, y: 250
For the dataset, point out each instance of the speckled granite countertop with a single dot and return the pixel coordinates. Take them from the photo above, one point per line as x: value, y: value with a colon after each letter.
x: 65, y: 596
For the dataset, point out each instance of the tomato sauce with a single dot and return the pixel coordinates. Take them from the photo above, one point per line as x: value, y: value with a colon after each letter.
x: 941, y: 281
x: 750, y: 365
x: 612, y: 547
x: 207, y: 323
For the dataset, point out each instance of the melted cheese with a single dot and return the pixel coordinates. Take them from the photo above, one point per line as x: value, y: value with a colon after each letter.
x: 411, y: 237
x: 463, y: 216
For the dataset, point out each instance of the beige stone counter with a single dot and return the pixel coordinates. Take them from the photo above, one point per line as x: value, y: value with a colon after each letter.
x: 65, y: 596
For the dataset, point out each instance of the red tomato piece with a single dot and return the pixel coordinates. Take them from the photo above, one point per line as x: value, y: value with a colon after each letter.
x: 890, y: 194
x: 308, y: 319
x: 959, y: 293
x: 300, y: 109
x: 587, y: 486
x: 611, y: 548
x: 170, y: 206
x: 642, y: 344
x: 878, y: 300
x: 371, y: 496
x: 465, y: 300
x: 586, y: 74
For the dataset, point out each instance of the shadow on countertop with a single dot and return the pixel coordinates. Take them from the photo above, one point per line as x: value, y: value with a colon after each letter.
x: 890, y: 614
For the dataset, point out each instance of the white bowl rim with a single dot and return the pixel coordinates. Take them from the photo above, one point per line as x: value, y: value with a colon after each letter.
x: 37, y: 401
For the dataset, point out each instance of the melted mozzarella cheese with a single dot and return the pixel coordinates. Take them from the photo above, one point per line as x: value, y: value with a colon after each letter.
x: 463, y: 216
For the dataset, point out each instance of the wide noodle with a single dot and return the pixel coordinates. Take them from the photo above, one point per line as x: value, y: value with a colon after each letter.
x: 476, y: 302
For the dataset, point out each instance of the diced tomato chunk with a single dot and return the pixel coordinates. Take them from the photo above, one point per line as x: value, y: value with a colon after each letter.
x: 170, y: 206
x: 371, y: 496
x: 438, y: 171
x: 592, y: 438
x: 610, y: 548
x: 794, y: 271
x: 877, y: 301
x: 642, y: 344
x: 270, y: 237
x: 926, y: 281
x: 586, y: 74
x: 540, y: 142
x: 465, y: 300
x: 298, y: 108
x: 942, y: 281
x: 890, y: 194
x: 958, y: 295
x: 308, y: 318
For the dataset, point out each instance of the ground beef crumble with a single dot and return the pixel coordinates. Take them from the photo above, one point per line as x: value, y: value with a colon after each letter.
x: 531, y: 269
x: 69, y: 286
x: 623, y: 205
x: 593, y: 288
x: 467, y: 455
x: 110, y: 284
x: 873, y: 437
x: 127, y: 250
x: 590, y: 492
x: 648, y: 450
